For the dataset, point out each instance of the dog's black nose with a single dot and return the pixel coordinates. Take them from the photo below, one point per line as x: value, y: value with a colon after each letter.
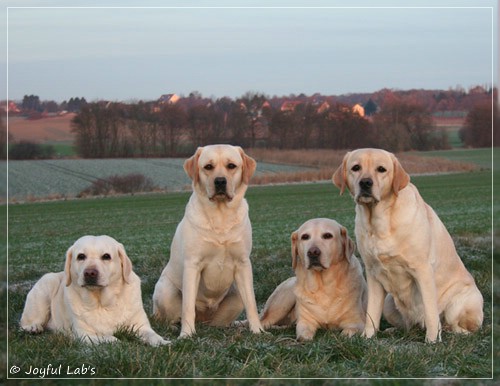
x: 220, y: 183
x: 91, y: 275
x: 366, y: 183
x: 314, y: 253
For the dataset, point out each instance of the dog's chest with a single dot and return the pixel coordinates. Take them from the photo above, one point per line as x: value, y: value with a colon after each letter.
x: 325, y: 308
x: 221, y: 261
x: 219, y: 266
x: 375, y: 245
x: 103, y: 318
x: 384, y: 260
x: 219, y: 223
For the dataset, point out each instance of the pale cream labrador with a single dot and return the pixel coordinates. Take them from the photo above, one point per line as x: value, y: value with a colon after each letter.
x: 328, y: 291
x: 96, y: 294
x: 209, y: 275
x: 407, y: 251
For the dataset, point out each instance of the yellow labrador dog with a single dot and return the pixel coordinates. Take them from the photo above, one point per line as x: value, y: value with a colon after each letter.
x: 96, y: 294
x: 209, y: 275
x: 328, y: 291
x: 407, y: 251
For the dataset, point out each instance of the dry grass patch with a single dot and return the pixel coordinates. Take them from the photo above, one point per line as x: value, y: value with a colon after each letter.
x: 55, y: 129
x: 326, y: 161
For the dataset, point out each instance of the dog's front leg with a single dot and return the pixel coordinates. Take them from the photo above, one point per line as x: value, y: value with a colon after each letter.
x: 244, y: 282
x: 36, y: 312
x: 427, y: 288
x: 190, y: 283
x: 376, y: 297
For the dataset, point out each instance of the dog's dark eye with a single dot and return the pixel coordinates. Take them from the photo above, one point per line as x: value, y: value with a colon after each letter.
x: 356, y: 168
x: 305, y: 236
x: 327, y: 236
x: 231, y: 166
x: 81, y: 257
x: 209, y: 167
x: 381, y: 169
x: 106, y: 256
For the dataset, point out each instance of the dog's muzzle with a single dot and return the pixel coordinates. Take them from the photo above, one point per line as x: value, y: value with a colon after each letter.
x: 366, y: 186
x: 220, y: 185
x: 365, y: 195
x: 314, y: 255
x: 91, y: 277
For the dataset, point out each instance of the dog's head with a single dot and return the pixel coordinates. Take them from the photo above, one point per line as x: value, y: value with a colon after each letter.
x: 371, y: 175
x: 96, y: 262
x: 319, y: 244
x: 219, y: 171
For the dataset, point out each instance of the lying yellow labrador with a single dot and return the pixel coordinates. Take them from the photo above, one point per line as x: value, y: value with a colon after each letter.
x: 407, y: 251
x: 328, y: 291
x: 209, y: 275
x: 96, y: 294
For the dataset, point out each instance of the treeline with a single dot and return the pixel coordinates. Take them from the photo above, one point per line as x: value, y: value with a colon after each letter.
x: 32, y: 104
x: 152, y: 130
x: 394, y: 120
x: 440, y: 102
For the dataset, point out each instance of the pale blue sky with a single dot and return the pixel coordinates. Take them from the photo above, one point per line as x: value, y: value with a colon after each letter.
x: 141, y: 53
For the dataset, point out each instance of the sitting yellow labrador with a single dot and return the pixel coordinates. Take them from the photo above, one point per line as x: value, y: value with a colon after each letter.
x: 96, y: 294
x: 209, y: 275
x: 407, y: 251
x: 328, y: 291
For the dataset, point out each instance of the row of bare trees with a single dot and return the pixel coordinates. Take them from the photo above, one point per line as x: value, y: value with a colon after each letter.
x: 151, y: 130
x: 146, y: 130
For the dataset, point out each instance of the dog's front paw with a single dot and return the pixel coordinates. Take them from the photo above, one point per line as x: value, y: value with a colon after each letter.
x: 239, y: 323
x: 159, y: 342
x: 368, y: 333
x: 350, y: 332
x: 152, y: 338
x: 257, y: 328
x: 433, y: 335
x: 432, y: 338
x: 187, y: 333
x: 33, y: 328
x: 305, y: 332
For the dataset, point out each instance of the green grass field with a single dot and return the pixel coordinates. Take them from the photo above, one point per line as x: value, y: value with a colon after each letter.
x: 63, y: 149
x: 454, y: 138
x: 40, y: 233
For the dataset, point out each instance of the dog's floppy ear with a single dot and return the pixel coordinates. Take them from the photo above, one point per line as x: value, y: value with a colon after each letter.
x: 295, y: 251
x: 348, y: 246
x: 191, y: 165
x: 249, y: 166
x: 400, y: 179
x: 126, y: 263
x: 339, y: 178
x: 67, y: 265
